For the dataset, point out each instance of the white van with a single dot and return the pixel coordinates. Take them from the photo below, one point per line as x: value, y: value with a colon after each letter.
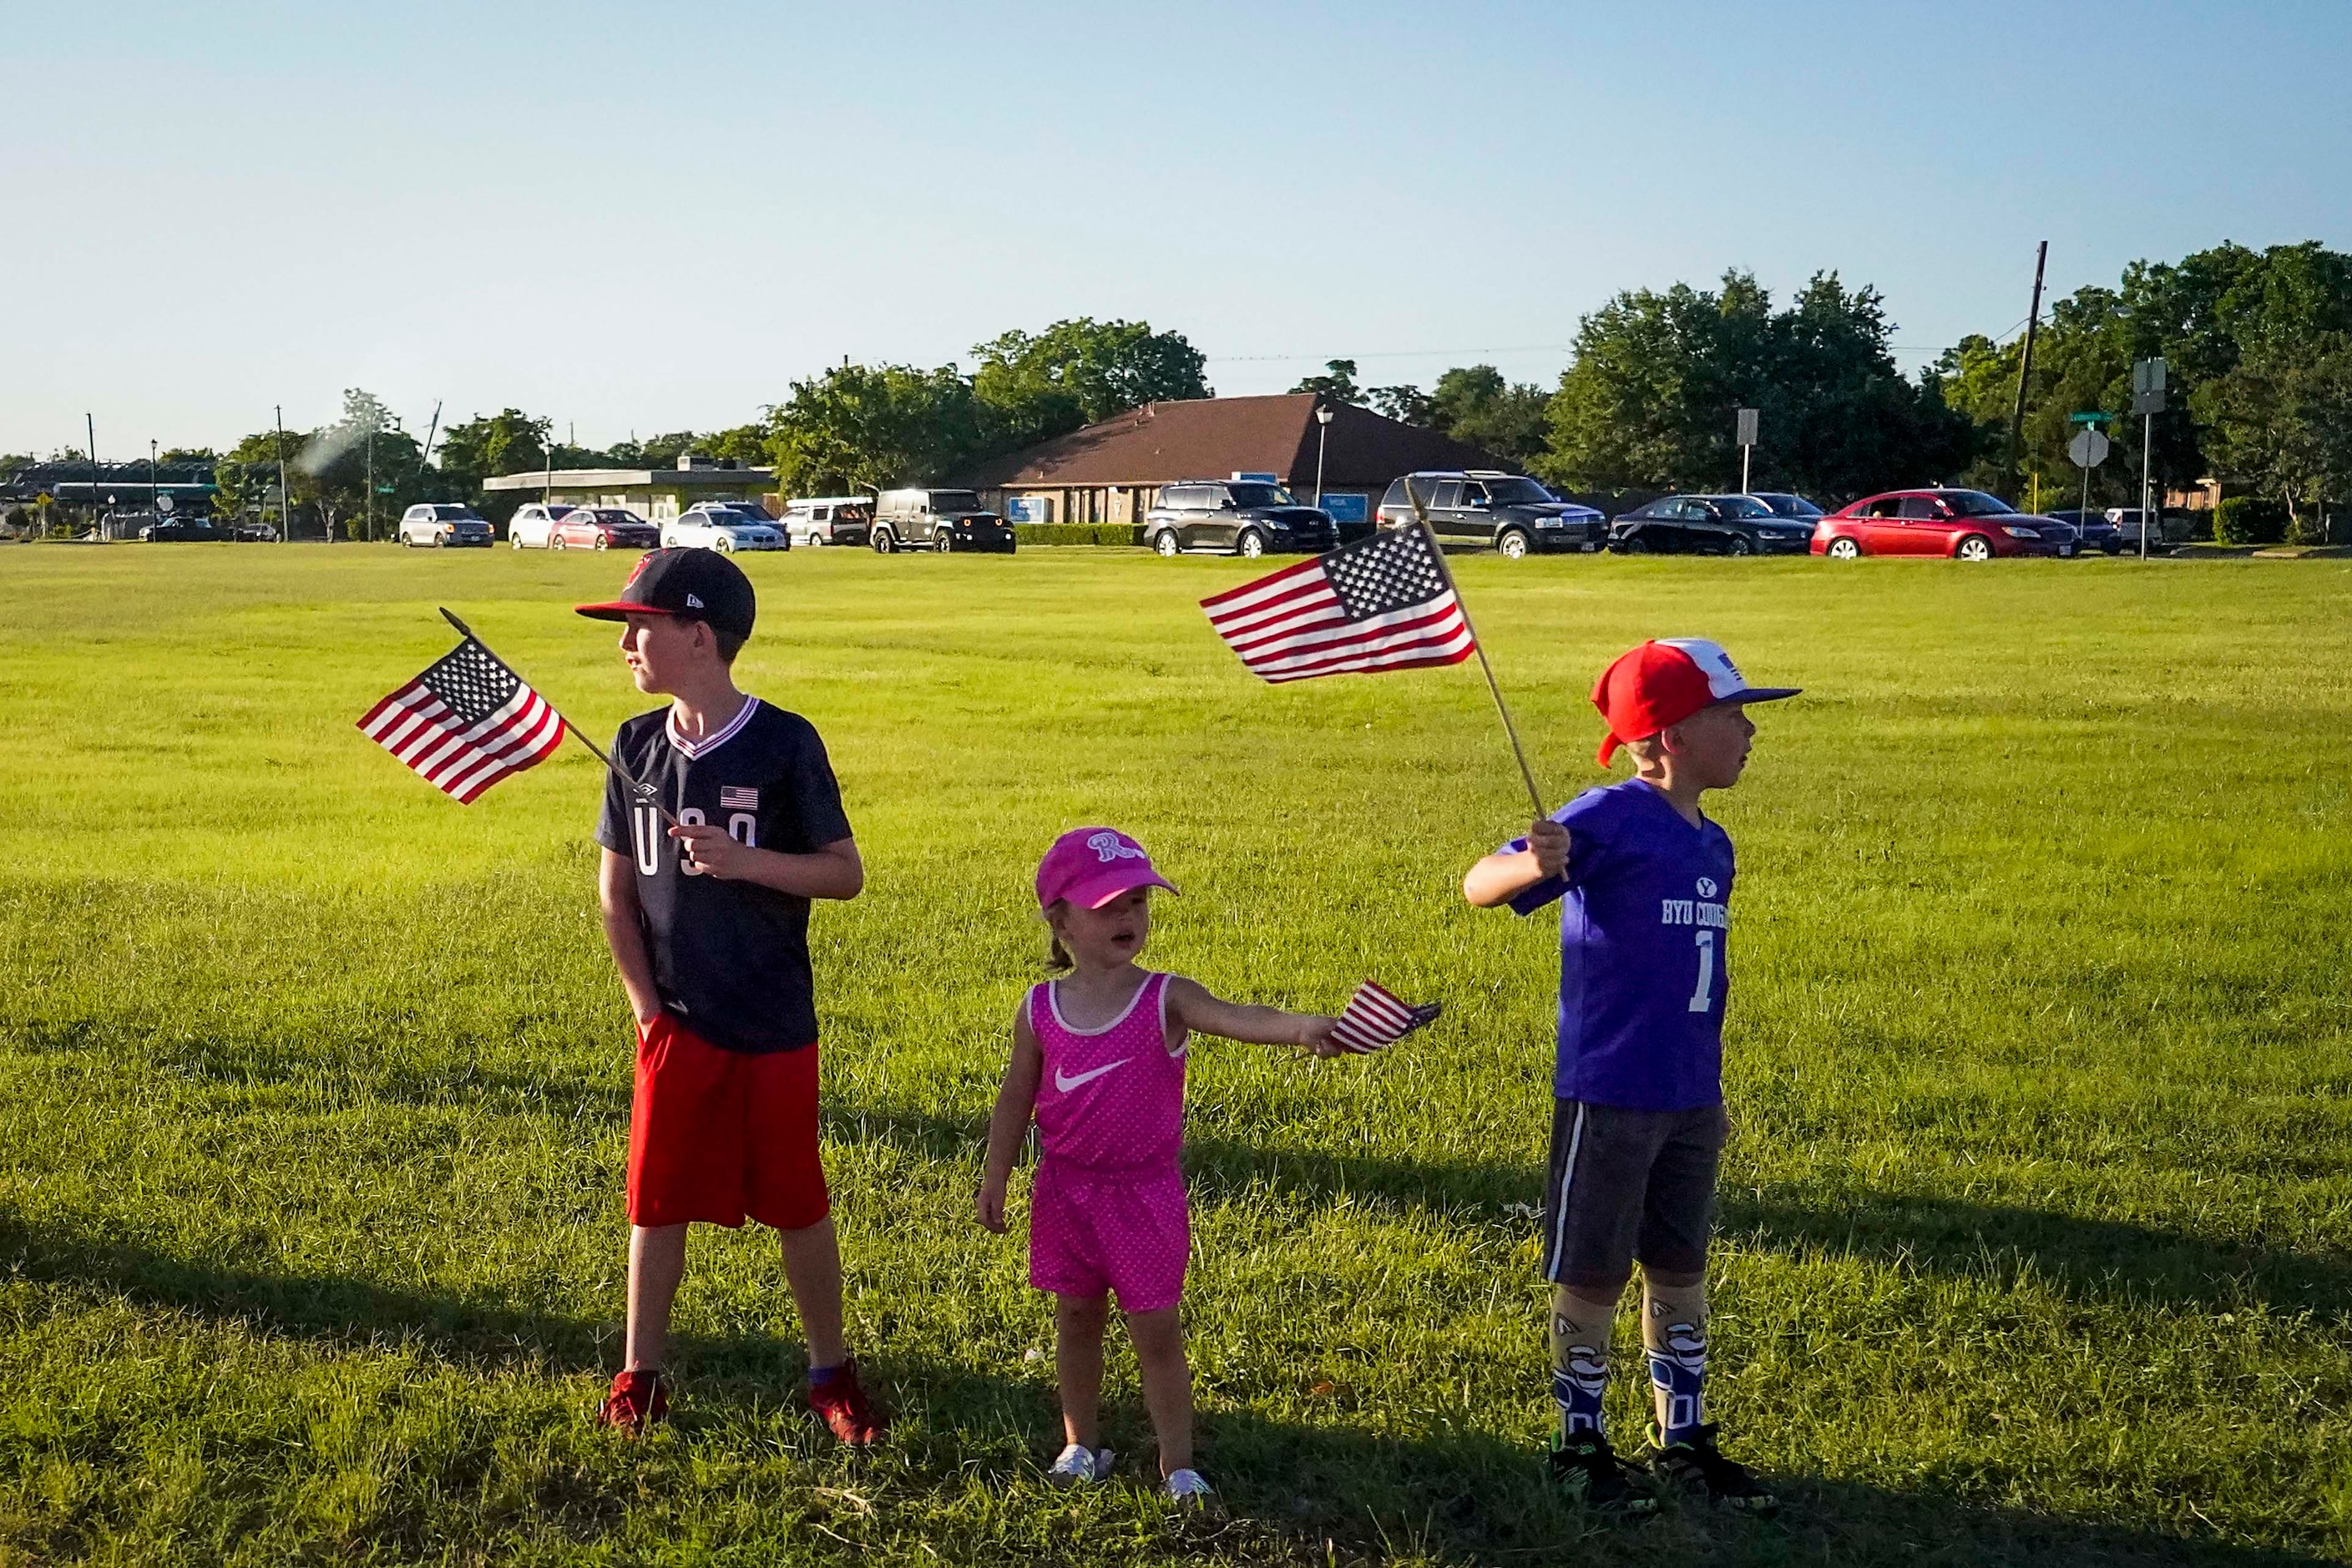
x: 830, y: 520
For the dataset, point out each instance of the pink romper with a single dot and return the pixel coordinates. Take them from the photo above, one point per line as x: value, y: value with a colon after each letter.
x: 1107, y: 1211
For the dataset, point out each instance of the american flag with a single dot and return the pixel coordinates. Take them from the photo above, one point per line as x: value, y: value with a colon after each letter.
x: 1374, y: 1019
x: 1383, y: 602
x: 465, y: 723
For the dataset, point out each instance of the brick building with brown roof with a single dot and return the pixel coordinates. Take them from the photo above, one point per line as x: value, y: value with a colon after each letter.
x: 1112, y: 472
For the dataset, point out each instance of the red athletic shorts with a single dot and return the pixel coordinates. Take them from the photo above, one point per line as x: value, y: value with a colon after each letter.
x: 718, y: 1135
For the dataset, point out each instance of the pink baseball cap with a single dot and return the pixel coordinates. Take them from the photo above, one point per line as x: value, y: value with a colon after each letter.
x: 1092, y: 865
x: 1661, y: 683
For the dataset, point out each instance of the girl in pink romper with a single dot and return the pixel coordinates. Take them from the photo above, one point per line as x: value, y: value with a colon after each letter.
x: 1098, y: 1061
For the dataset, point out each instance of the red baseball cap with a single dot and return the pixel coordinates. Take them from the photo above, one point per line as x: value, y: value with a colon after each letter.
x: 1665, y: 682
x: 1092, y: 865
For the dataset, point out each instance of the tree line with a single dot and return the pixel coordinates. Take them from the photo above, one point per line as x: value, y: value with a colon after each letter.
x: 2259, y: 346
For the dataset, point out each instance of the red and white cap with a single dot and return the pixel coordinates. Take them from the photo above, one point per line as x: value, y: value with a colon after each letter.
x: 1665, y: 682
x: 1092, y: 865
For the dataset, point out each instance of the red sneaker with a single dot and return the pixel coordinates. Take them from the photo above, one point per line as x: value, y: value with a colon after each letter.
x: 842, y: 1402
x: 637, y: 1402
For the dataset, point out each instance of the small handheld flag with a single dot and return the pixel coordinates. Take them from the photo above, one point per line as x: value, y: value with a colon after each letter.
x: 1374, y: 1020
x: 1383, y: 602
x: 465, y: 723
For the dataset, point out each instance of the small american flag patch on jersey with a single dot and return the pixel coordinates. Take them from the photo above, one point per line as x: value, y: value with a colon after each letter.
x: 732, y: 798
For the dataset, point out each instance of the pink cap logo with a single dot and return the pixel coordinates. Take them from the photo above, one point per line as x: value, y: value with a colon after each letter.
x: 1110, y: 847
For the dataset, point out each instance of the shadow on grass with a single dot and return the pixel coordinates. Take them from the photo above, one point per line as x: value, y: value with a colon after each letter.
x: 1290, y: 1487
x: 2087, y: 1259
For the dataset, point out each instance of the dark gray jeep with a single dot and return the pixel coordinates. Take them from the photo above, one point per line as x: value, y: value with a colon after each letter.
x: 1485, y: 506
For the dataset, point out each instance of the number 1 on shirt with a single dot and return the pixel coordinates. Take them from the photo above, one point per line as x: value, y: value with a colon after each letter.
x: 1704, y: 997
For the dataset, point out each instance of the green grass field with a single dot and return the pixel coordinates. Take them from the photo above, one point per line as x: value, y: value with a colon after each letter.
x: 2037, y: 1231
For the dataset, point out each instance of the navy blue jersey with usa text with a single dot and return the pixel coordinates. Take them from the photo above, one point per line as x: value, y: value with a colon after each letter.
x: 1645, y: 929
x: 731, y: 958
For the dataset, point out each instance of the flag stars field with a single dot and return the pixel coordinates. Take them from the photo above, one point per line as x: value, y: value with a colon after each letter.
x: 2035, y: 1219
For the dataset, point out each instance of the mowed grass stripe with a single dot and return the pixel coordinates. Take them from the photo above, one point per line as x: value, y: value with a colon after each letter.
x: 2037, y: 1223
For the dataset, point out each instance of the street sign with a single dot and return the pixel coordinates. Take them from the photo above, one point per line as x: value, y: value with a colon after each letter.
x: 1747, y: 427
x: 385, y: 490
x: 2147, y: 386
x: 2089, y: 449
x: 2091, y: 418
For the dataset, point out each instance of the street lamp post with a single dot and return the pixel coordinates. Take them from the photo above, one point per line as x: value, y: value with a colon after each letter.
x: 1322, y: 436
x: 152, y: 515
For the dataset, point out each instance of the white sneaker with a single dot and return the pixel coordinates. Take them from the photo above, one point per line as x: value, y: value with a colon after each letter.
x: 1188, y: 1488
x: 1078, y: 1464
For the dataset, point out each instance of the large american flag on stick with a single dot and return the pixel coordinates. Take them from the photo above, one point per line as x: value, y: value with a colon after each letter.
x: 1382, y: 603
x: 465, y: 723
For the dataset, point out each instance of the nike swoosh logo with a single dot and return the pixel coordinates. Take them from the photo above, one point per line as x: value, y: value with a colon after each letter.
x: 1066, y: 1082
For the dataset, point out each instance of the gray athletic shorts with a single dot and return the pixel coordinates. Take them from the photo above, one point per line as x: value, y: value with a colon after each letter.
x: 1626, y: 1184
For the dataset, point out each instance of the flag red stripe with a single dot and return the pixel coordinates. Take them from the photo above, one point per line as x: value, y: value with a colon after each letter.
x: 1249, y: 591
x: 1439, y: 632
x: 521, y: 750
x: 1379, y: 628
x: 1416, y: 657
x: 489, y: 742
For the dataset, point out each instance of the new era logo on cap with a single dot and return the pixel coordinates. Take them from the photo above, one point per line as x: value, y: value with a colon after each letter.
x: 1665, y: 682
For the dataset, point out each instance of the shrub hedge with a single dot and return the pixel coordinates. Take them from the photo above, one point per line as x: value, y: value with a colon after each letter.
x: 2249, y: 519
x: 1076, y: 534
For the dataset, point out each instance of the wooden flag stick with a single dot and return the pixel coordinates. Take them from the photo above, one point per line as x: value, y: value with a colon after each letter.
x: 1527, y: 775
x: 644, y: 791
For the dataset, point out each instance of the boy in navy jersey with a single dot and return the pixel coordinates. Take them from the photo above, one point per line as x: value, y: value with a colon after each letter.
x: 707, y: 911
x: 1644, y: 879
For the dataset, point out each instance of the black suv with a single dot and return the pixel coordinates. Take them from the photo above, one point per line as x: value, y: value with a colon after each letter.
x: 1486, y: 506
x: 1709, y: 525
x: 1248, y: 517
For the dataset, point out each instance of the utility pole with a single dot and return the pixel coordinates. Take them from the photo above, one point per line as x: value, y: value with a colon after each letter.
x: 152, y: 515
x: 2025, y: 364
x: 285, y: 516
x: 371, y: 480
x: 89, y: 423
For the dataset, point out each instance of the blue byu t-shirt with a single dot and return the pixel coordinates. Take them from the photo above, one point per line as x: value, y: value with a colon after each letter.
x: 1644, y: 928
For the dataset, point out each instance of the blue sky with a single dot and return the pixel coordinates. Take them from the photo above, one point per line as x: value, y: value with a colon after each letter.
x: 644, y: 219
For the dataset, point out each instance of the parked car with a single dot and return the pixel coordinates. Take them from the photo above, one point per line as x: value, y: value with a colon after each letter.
x: 603, y: 527
x: 255, y: 532
x: 1966, y: 524
x: 2171, y: 528
x: 830, y: 520
x: 182, y: 530
x: 440, y: 525
x: 937, y: 519
x: 2092, y: 531
x: 1246, y: 517
x: 533, y: 526
x: 1708, y: 525
x: 724, y: 526
x: 1790, y: 508
x: 1485, y: 506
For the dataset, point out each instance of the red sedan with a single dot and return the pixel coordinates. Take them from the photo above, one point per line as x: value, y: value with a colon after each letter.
x: 1968, y: 525
x: 602, y: 528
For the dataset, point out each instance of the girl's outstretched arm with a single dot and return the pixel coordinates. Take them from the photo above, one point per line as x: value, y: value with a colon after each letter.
x: 1015, y: 1102
x: 1191, y: 1005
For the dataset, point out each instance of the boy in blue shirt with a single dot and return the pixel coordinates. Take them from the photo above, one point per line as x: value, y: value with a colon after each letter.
x: 1644, y: 879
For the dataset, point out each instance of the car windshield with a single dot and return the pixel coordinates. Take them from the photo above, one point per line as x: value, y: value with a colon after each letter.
x: 1976, y: 503
x: 1741, y: 506
x: 1262, y: 495
x: 616, y: 518
x: 1791, y: 506
x: 1518, y: 492
x: 954, y: 500
x: 456, y: 514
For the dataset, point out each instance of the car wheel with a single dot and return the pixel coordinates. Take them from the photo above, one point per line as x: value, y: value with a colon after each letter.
x: 942, y: 542
x: 1250, y: 545
x: 1166, y: 542
x: 1843, y: 550
x: 555, y: 541
x: 1739, y: 546
x: 1513, y: 544
x: 884, y: 544
x: 1974, y: 547
x: 604, y: 541
x: 515, y: 539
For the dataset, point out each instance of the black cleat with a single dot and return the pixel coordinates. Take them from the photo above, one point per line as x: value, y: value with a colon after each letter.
x: 1588, y: 1473
x: 1696, y: 1467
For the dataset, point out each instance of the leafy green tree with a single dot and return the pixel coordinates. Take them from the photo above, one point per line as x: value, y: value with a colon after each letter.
x: 1407, y: 404
x: 1336, y: 385
x: 507, y: 442
x: 1650, y: 397
x: 1030, y: 387
x: 338, y: 462
x: 2282, y: 419
x: 876, y: 426
x: 1474, y: 403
